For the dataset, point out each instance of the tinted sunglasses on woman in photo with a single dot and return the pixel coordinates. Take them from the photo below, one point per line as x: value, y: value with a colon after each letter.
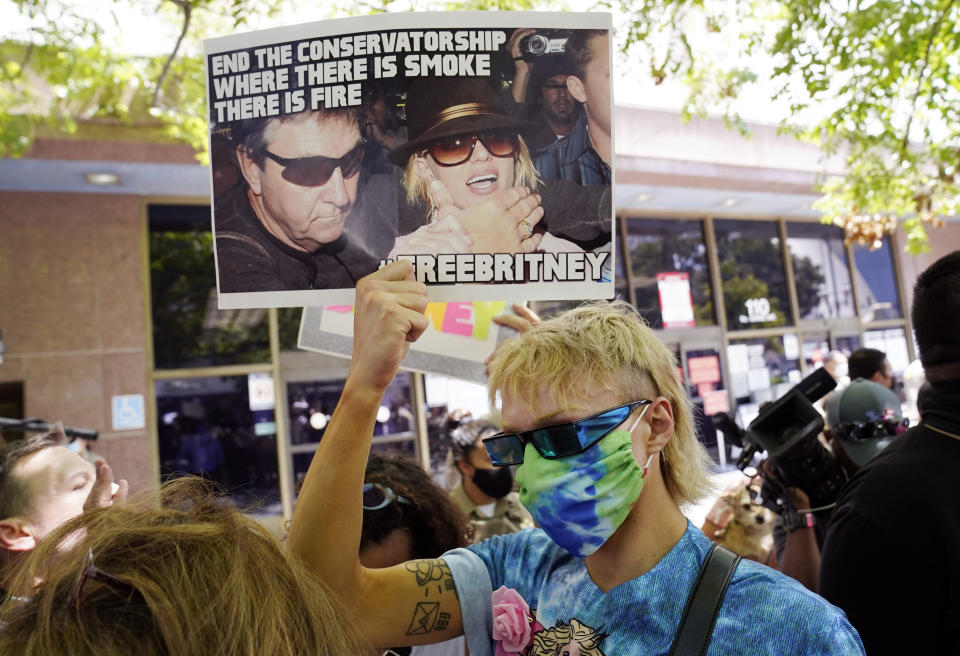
x: 560, y: 440
x: 452, y: 151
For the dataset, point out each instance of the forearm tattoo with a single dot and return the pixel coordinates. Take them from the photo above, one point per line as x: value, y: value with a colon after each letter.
x: 435, y: 578
x: 432, y: 574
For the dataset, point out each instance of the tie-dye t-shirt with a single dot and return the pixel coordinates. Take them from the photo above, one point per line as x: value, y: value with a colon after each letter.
x: 763, y: 613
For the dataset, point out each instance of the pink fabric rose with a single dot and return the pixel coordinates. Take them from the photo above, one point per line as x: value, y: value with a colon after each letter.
x: 511, y: 621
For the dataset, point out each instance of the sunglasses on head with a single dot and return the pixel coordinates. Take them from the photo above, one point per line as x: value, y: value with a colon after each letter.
x: 376, y: 496
x: 457, y: 150
x: 858, y: 431
x: 317, y: 170
x: 91, y: 572
x: 561, y: 440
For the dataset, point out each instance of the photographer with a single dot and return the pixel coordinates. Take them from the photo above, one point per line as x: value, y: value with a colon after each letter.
x: 539, y: 91
x: 862, y: 420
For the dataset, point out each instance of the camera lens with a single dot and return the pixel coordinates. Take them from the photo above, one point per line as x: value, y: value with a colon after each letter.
x: 534, y: 44
x: 538, y: 44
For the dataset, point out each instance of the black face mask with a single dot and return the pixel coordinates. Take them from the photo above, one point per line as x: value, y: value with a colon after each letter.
x: 496, y: 482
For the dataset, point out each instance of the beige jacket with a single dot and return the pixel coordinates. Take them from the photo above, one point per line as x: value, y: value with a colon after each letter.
x: 509, y: 515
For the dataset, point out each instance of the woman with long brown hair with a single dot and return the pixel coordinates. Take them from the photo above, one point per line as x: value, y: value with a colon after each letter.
x: 185, y: 573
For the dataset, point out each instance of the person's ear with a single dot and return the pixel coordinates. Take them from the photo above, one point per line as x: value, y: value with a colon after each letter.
x: 16, y: 534
x: 463, y: 465
x: 251, y: 171
x: 575, y: 87
x: 660, y: 418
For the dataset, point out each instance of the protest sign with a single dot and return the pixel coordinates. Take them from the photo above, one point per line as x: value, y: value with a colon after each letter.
x: 341, y: 145
x: 460, y: 337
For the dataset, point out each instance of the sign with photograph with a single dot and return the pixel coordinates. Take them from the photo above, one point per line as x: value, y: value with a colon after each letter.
x: 341, y: 145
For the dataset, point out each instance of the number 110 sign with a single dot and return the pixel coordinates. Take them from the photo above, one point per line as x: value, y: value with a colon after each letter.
x: 758, y: 311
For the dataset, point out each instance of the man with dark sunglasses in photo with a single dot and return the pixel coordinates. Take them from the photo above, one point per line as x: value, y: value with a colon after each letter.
x: 601, y: 426
x: 285, y: 229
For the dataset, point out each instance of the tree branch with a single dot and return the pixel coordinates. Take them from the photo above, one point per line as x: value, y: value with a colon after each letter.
x: 923, y: 70
x: 186, y: 7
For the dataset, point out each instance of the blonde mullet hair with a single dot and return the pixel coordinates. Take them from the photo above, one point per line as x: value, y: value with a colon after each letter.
x: 524, y: 175
x: 207, y: 580
x: 607, y: 343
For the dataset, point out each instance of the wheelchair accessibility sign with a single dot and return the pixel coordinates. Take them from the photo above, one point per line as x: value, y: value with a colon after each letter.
x: 128, y: 412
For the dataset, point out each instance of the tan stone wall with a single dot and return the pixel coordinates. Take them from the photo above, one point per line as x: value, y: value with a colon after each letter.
x: 72, y: 313
x: 110, y: 151
x: 943, y: 241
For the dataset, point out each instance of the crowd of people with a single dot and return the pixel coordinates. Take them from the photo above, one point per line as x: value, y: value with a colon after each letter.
x: 565, y: 532
x: 380, y: 560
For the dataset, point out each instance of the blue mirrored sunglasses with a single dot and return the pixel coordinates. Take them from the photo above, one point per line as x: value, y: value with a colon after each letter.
x: 561, y: 440
x: 376, y: 496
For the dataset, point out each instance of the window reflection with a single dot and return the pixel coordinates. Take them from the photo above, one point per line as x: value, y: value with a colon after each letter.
x: 847, y: 344
x: 824, y: 290
x: 311, y: 405
x: 676, y: 252
x: 751, y: 268
x: 188, y: 329
x: 620, y: 276
x: 705, y: 382
x: 876, y: 285
x: 761, y: 370
x: 288, y: 321
x: 891, y: 341
x: 215, y: 427
x: 450, y: 402
x: 815, y: 350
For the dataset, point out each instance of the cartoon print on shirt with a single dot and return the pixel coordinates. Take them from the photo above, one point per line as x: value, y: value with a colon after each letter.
x: 573, y: 639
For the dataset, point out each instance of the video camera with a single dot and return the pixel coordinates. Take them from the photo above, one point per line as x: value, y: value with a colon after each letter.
x: 535, y: 46
x: 787, y: 430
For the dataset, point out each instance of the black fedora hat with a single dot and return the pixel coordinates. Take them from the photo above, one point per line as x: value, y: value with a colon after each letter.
x: 447, y: 107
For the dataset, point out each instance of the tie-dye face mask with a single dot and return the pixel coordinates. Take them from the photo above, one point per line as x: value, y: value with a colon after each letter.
x: 581, y: 500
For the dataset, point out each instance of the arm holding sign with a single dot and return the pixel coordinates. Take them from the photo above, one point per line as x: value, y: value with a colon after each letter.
x: 411, y: 603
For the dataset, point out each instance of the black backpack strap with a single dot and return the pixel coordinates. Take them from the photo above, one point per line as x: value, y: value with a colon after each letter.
x: 703, y: 604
